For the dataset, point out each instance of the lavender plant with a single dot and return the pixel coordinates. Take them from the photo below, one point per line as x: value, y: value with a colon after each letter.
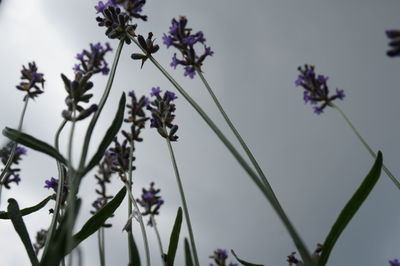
x: 113, y: 156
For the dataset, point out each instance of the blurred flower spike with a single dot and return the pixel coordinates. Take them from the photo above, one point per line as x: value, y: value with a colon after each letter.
x: 220, y: 256
x: 394, y: 262
x: 34, y: 80
x: 92, y: 62
x: 12, y: 174
x: 151, y: 202
x: 162, y: 111
x: 181, y: 37
x: 316, y: 91
x: 394, y: 44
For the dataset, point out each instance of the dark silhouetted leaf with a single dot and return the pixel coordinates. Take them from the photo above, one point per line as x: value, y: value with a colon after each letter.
x: 33, y: 143
x: 19, y: 225
x: 26, y: 211
x: 108, y: 138
x: 351, y: 208
x: 188, y: 254
x: 133, y: 251
x: 174, y: 238
x: 245, y: 263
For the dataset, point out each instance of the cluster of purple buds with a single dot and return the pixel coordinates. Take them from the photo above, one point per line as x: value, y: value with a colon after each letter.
x: 92, y: 62
x: 132, y: 7
x: 77, y: 90
x: 103, y: 178
x: 151, y: 202
x: 162, y: 113
x: 394, y: 262
x: 117, y: 23
x: 12, y: 174
x: 181, y: 37
x: 316, y: 91
x: 120, y: 153
x: 394, y: 36
x: 52, y: 183
x: 148, y: 46
x: 220, y: 256
x: 136, y: 117
x: 294, y: 261
x: 33, y: 80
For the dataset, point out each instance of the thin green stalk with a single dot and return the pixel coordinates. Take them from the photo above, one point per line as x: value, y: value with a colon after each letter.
x: 60, y: 189
x: 369, y: 149
x: 14, y: 147
x: 266, y: 190
x: 100, y: 240
x: 234, y: 130
x: 154, y: 224
x: 184, y: 204
x: 100, y: 106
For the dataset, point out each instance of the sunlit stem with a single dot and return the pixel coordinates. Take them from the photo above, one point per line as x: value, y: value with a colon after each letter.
x: 369, y: 149
x: 14, y: 146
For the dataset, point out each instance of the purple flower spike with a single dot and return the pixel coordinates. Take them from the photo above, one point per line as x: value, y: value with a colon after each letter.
x: 52, y: 183
x: 220, y: 256
x: 394, y: 262
x: 100, y: 7
x: 155, y: 91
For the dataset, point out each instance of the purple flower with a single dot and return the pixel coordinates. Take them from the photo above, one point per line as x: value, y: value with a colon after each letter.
x: 155, y: 91
x: 340, y: 94
x: 20, y: 151
x: 32, y: 82
x: 132, y: 93
x: 52, y: 183
x: 93, y: 61
x: 150, y: 201
x: 318, y: 110
x: 189, y: 71
x: 394, y: 262
x: 16, y: 179
x: 167, y: 40
x: 220, y: 256
x: 170, y: 96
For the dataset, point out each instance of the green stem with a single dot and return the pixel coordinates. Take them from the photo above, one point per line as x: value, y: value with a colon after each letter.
x: 14, y: 147
x: 184, y: 204
x: 369, y: 149
x: 60, y: 188
x: 154, y: 223
x: 100, y: 106
x: 266, y: 190
x: 100, y: 240
x: 234, y: 130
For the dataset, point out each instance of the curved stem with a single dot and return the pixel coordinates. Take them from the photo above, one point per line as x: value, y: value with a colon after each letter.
x: 265, y: 189
x: 234, y: 130
x: 154, y: 223
x: 184, y: 204
x: 100, y: 106
x: 14, y: 147
x: 60, y: 188
x: 369, y: 149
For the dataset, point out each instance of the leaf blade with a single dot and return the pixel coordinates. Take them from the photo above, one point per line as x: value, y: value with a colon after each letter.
x: 245, y: 263
x: 26, y: 211
x: 188, y: 254
x: 351, y: 208
x: 174, y: 238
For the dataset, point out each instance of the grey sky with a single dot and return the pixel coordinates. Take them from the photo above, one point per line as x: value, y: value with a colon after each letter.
x: 314, y: 163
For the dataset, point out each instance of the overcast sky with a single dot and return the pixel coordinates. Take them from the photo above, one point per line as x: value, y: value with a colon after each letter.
x: 314, y: 163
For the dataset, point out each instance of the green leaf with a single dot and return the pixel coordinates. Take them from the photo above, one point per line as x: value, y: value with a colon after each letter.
x: 188, y: 254
x: 174, y: 238
x: 19, y: 225
x: 97, y: 220
x: 133, y: 251
x: 245, y: 263
x: 109, y: 136
x: 33, y: 143
x: 351, y: 208
x: 4, y: 215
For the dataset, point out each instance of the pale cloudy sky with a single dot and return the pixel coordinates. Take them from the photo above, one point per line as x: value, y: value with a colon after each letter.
x: 314, y: 163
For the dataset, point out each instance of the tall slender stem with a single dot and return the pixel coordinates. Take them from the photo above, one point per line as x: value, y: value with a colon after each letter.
x: 100, y: 106
x: 154, y: 224
x: 234, y: 130
x: 369, y: 149
x: 266, y: 190
x: 184, y: 204
x: 14, y: 147
x: 100, y: 240
x: 60, y: 188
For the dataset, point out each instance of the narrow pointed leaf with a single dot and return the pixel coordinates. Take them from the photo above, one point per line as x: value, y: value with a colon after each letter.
x: 97, y: 220
x: 351, y: 208
x: 19, y: 225
x: 108, y: 138
x: 245, y: 263
x: 188, y: 254
x: 4, y: 215
x: 174, y: 238
x: 33, y: 143
x: 133, y: 251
